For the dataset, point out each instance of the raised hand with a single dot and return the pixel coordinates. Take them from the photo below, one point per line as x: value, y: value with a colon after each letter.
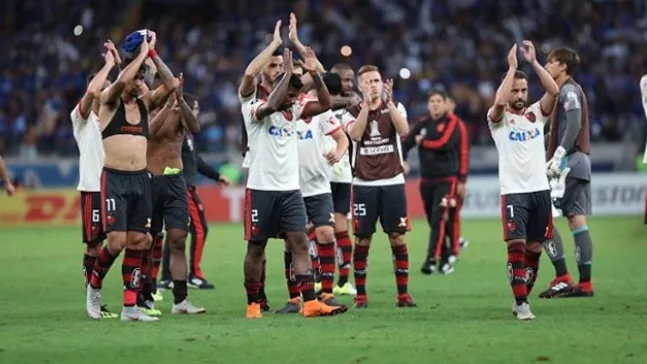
x: 179, y: 90
x: 287, y: 61
x: 276, y: 39
x: 111, y: 52
x: 388, y: 90
x: 528, y: 51
x: 293, y: 34
x: 512, y: 57
x: 153, y: 40
x: 310, y: 64
x: 144, y: 47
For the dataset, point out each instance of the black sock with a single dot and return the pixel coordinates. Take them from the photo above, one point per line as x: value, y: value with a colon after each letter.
x: 179, y: 291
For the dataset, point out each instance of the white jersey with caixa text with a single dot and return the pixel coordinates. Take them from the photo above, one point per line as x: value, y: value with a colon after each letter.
x: 519, y: 139
x: 314, y: 169
x: 87, y: 133
x: 274, y: 151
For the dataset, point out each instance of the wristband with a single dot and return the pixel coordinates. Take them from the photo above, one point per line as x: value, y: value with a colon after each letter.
x: 559, y: 152
x: 152, y: 53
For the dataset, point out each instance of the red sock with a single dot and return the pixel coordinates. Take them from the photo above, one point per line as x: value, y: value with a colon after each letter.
x: 401, y: 263
x: 157, y: 256
x: 131, y: 272
x: 344, y: 256
x: 88, y: 265
x: 314, y: 254
x: 307, y: 287
x: 327, y: 259
x: 293, y: 287
x: 252, y: 289
x: 101, y: 267
x: 517, y: 271
x: 532, y: 269
x: 360, y: 257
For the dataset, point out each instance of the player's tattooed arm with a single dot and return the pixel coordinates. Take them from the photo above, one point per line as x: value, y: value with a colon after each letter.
x: 111, y: 58
x: 339, y: 102
x: 112, y: 93
x: 495, y: 113
x: 280, y: 92
x: 569, y: 100
x: 547, y: 101
x: 169, y: 83
x: 187, y: 118
x: 248, y: 84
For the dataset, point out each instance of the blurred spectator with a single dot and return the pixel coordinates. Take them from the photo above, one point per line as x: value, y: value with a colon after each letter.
x: 457, y: 45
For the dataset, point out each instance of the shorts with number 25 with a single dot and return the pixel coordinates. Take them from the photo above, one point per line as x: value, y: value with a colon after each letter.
x: 388, y: 203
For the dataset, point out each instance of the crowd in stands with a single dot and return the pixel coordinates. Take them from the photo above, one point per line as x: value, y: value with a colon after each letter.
x: 456, y: 45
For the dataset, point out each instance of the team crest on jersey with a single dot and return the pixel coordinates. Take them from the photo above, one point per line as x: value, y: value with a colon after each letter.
x: 531, y: 116
x: 288, y: 115
x: 110, y: 220
x: 440, y: 127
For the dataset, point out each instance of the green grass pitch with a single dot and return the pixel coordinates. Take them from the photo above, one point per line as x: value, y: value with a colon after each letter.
x: 462, y: 318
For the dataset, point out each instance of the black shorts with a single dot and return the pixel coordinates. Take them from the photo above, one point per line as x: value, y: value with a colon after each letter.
x: 577, y: 198
x: 319, y: 209
x: 92, y: 224
x: 340, y: 197
x: 170, y: 203
x: 268, y: 214
x: 389, y: 203
x: 126, y: 199
x: 527, y: 216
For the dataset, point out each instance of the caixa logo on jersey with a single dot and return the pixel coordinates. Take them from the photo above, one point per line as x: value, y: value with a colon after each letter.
x: 289, y: 132
x: 521, y: 135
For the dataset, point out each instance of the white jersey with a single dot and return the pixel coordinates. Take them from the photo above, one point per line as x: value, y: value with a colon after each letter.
x: 274, y: 157
x: 87, y: 133
x: 314, y: 170
x: 519, y: 140
x: 341, y: 171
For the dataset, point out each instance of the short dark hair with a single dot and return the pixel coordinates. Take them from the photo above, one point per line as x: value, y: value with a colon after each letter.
x: 339, y: 67
x: 295, y: 81
x: 143, y: 69
x: 518, y: 75
x: 440, y: 93
x: 567, y: 56
x: 278, y: 52
x: 332, y: 82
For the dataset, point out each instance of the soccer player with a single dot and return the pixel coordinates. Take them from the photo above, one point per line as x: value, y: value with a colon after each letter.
x: 169, y: 190
x: 88, y: 138
x: 269, y: 64
x: 342, y: 77
x: 375, y: 127
x: 274, y: 203
x: 125, y: 184
x: 443, y: 149
x: 462, y: 242
x: 518, y: 132
x: 316, y: 157
x: 193, y: 165
x: 569, y: 147
x: 6, y: 181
